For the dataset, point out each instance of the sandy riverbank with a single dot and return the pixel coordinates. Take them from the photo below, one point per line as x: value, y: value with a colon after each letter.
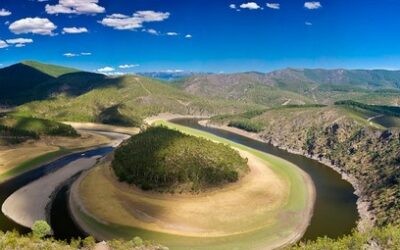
x: 366, y: 218
x: 30, y: 203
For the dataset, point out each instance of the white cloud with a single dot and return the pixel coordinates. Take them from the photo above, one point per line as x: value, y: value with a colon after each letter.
x: 70, y: 55
x: 106, y: 69
x: 19, y: 42
x: 312, y: 5
x: 250, y: 6
x: 152, y: 31
x: 232, y: 6
x: 124, y: 22
x: 3, y: 44
x: 4, y: 12
x: 36, y: 25
x: 172, y: 34
x: 275, y: 6
x: 74, y: 30
x: 188, y: 36
x: 88, y: 7
x: 40, y: 1
x: 128, y: 66
x: 308, y: 23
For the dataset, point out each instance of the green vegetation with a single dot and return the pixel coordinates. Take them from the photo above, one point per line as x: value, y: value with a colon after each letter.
x: 51, y: 70
x: 166, y: 160
x: 128, y: 100
x: 380, y: 109
x: 23, y: 125
x: 41, y: 229
x: 13, y: 240
x: 378, y: 238
x: 246, y: 124
x: 10, y: 135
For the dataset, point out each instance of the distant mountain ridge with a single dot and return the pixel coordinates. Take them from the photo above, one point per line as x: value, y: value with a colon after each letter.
x: 298, y: 86
x: 29, y: 81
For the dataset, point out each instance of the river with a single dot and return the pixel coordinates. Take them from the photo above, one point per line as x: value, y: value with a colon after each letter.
x: 335, y: 212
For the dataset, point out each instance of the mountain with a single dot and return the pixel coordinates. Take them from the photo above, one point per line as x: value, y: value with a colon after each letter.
x: 126, y: 100
x: 29, y: 81
x: 297, y: 86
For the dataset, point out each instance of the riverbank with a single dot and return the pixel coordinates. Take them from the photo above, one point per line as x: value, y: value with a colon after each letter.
x: 17, y: 159
x: 31, y: 202
x: 293, y: 221
x: 366, y: 218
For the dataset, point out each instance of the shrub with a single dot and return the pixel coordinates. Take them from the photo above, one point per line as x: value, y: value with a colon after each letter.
x: 41, y: 229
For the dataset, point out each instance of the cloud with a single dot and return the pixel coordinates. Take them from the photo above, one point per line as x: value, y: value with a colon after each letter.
x: 4, y: 12
x: 74, y: 30
x: 152, y: 31
x: 77, y: 54
x: 188, y: 36
x: 275, y: 6
x: 128, y: 66
x: 312, y: 5
x: 172, y: 34
x: 106, y: 69
x: 3, y: 44
x: 232, y: 6
x: 124, y: 22
x: 19, y: 42
x: 250, y: 6
x: 70, y: 54
x: 78, y: 7
x: 308, y: 23
x: 36, y: 25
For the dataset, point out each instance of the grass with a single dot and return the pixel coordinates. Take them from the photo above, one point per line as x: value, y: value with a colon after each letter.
x: 51, y: 70
x: 295, y: 209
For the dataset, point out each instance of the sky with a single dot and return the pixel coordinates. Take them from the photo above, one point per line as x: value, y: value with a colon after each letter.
x: 114, y: 36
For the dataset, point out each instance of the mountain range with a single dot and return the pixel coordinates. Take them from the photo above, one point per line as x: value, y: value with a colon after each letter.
x: 28, y: 81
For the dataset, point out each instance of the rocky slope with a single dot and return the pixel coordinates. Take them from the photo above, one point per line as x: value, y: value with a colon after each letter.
x: 367, y: 155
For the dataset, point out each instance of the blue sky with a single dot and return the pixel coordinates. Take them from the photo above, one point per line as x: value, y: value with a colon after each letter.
x: 201, y: 35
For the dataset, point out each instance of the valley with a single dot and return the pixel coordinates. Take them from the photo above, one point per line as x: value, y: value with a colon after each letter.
x: 306, y: 112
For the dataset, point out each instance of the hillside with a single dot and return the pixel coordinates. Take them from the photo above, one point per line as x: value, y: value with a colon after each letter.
x: 29, y: 81
x: 363, y: 150
x: 126, y: 101
x: 300, y: 86
x: 168, y: 160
